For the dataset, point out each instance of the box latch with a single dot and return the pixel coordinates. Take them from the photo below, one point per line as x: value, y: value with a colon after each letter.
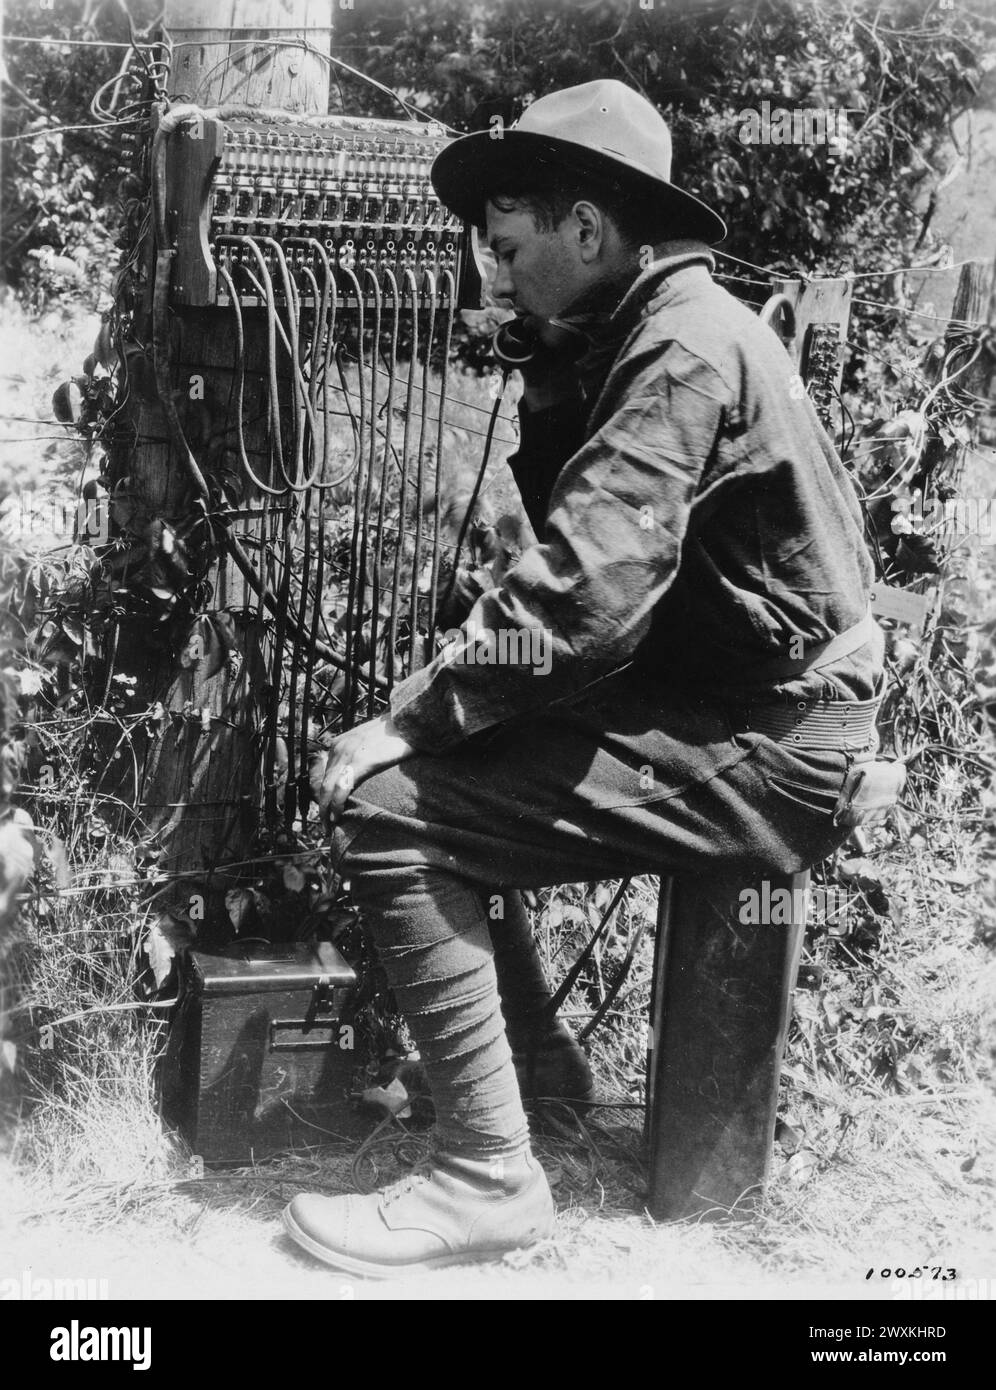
x: 323, y: 1000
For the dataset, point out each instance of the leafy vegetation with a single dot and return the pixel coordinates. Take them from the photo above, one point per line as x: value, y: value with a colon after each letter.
x: 902, y: 71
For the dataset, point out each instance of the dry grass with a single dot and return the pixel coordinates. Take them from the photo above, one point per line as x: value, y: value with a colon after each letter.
x: 902, y: 1171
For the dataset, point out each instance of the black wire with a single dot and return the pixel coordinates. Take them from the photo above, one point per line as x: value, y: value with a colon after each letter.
x: 465, y: 524
x: 617, y: 983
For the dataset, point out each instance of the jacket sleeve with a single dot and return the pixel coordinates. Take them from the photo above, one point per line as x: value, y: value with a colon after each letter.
x: 578, y: 604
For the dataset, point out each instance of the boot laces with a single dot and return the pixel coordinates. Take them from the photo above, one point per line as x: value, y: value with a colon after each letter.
x: 418, y: 1176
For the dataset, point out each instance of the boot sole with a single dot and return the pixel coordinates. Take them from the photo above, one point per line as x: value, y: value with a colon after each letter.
x: 367, y: 1270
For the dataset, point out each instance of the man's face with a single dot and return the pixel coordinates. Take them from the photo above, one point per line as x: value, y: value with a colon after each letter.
x: 540, y: 272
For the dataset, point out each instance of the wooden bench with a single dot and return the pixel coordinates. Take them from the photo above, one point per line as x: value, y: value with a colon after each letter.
x: 720, y: 1009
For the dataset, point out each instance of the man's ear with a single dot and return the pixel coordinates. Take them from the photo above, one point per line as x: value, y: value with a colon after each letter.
x: 590, y: 230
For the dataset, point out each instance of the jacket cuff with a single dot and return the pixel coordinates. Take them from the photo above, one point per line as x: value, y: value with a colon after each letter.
x: 422, y: 713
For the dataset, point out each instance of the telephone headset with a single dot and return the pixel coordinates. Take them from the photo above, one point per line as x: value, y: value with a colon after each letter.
x: 517, y: 342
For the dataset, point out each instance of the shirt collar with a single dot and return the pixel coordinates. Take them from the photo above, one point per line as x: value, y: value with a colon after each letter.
x: 606, y: 326
x: 674, y: 255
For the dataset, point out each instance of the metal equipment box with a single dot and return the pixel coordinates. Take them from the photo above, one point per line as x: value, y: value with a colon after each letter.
x: 260, y: 1056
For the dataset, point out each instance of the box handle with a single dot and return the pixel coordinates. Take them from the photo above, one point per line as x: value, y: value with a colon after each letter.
x: 281, y: 1028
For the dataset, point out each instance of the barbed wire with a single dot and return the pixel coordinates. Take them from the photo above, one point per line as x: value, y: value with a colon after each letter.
x: 63, y: 129
x: 806, y: 278
x: 80, y: 43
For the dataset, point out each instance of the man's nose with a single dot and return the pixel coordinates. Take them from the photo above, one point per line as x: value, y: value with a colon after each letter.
x: 502, y: 287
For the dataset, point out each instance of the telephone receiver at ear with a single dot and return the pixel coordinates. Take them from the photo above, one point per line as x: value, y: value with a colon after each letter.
x: 517, y: 342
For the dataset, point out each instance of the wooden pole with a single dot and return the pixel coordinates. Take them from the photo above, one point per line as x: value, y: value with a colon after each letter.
x: 198, y: 775
x: 219, y: 56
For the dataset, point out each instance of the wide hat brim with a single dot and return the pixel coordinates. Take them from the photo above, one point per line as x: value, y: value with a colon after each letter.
x: 467, y: 171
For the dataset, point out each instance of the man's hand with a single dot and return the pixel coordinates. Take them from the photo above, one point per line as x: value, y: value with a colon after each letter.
x: 355, y: 756
x: 551, y: 376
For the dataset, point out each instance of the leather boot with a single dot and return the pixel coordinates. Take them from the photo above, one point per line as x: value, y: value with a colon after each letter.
x: 448, y: 1211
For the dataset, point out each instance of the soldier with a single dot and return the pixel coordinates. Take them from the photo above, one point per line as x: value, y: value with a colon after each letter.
x: 702, y: 585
